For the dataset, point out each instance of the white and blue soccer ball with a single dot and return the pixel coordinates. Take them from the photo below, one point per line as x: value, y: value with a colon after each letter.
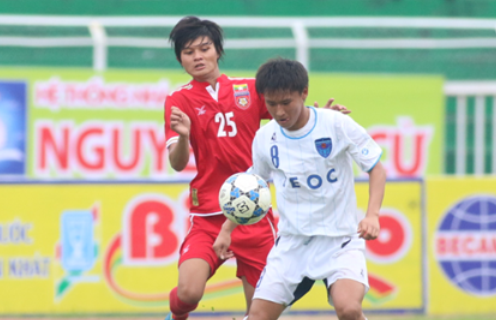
x: 245, y: 198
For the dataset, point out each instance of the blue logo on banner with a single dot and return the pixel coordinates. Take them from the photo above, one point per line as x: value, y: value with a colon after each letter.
x: 466, y: 245
x: 12, y: 128
x: 78, y: 248
x: 324, y: 146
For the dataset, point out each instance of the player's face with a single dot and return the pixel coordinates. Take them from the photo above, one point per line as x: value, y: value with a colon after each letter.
x: 199, y: 59
x: 288, y: 108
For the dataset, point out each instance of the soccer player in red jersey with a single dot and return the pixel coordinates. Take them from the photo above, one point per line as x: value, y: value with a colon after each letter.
x: 218, y: 116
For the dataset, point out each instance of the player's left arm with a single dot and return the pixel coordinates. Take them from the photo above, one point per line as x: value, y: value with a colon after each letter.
x: 369, y: 227
x: 367, y: 154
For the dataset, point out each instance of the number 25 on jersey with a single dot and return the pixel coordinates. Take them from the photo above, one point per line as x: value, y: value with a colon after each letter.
x: 225, y: 120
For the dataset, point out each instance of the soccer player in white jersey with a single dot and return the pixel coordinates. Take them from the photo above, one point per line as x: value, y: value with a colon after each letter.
x: 308, y: 154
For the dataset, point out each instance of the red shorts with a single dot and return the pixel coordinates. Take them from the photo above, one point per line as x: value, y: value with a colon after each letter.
x: 250, y: 244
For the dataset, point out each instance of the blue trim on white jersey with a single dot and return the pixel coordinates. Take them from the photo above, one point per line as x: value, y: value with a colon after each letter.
x: 377, y: 161
x: 315, y: 123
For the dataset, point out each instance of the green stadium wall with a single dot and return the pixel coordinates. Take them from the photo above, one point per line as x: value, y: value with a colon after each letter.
x: 432, y: 8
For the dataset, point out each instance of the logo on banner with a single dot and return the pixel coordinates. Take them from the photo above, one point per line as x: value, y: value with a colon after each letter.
x: 241, y: 95
x: 77, y: 250
x: 147, y: 238
x: 465, y: 245
x: 324, y: 146
x: 406, y: 147
x: 12, y: 128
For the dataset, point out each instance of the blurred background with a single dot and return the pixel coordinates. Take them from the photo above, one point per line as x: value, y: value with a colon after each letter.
x: 92, y: 215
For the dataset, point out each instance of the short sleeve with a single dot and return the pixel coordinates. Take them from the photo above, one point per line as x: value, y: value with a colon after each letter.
x: 170, y: 135
x: 260, y: 166
x: 362, y: 148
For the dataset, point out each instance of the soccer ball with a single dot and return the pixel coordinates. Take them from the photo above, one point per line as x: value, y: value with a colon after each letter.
x: 244, y: 198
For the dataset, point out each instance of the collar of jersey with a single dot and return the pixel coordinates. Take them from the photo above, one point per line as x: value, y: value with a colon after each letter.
x: 205, y: 84
x: 306, y: 134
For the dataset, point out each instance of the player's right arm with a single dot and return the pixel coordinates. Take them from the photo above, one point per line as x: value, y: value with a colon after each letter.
x: 177, y: 130
x: 260, y: 166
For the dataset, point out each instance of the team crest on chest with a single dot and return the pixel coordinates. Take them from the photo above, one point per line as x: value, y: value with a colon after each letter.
x: 324, y: 146
x: 241, y: 95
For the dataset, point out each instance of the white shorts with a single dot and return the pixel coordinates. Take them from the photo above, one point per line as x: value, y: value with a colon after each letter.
x: 296, y: 262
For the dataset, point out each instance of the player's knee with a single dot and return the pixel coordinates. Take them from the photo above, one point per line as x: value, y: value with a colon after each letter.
x: 257, y: 314
x: 189, y: 294
x: 349, y: 311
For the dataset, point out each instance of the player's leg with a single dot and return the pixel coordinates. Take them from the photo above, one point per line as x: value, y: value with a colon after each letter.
x: 251, y: 259
x: 348, y: 282
x: 197, y: 263
x: 248, y: 290
x: 265, y: 310
x: 347, y: 296
x: 193, y: 276
x: 283, y: 281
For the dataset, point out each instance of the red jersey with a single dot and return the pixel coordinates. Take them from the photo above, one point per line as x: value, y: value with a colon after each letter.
x: 223, y: 124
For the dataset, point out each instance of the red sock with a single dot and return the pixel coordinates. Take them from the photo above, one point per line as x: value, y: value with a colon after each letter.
x: 180, y: 310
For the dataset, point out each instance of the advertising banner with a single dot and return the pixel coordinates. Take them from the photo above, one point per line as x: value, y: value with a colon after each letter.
x: 109, y: 248
x: 78, y: 124
x: 404, y: 115
x: 462, y: 245
x: 90, y: 248
x: 71, y: 124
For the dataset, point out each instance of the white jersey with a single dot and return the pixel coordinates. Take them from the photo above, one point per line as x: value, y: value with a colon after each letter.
x: 312, y: 171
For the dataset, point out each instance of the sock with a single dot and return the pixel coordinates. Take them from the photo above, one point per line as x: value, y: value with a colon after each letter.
x: 180, y: 310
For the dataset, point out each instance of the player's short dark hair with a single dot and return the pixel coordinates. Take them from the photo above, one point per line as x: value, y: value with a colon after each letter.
x: 191, y: 28
x: 281, y: 75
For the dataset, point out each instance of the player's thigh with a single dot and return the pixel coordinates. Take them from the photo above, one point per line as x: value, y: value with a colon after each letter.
x: 349, y: 267
x: 284, y: 279
x: 347, y: 294
x: 193, y: 276
x: 265, y: 310
x: 251, y: 246
x: 198, y: 244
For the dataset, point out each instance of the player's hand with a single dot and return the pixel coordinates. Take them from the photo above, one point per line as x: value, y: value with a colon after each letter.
x: 336, y: 107
x: 369, y: 228
x: 221, y: 245
x: 180, y: 122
